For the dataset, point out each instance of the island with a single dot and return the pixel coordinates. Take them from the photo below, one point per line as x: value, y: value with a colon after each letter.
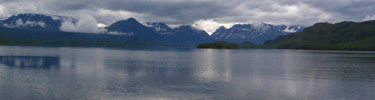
x: 219, y: 45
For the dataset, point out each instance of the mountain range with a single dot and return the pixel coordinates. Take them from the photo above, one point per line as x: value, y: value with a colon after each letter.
x: 18, y: 27
x: 255, y: 33
x: 159, y: 31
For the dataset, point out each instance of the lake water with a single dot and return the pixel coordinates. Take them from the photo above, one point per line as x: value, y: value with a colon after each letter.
x: 39, y: 73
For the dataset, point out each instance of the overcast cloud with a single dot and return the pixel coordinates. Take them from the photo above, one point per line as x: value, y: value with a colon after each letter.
x: 204, y: 14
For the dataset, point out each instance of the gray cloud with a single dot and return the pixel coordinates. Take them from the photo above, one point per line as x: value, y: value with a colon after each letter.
x: 219, y: 12
x: 85, y: 24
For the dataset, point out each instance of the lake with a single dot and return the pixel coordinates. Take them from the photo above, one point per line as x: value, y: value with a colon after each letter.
x: 47, y: 73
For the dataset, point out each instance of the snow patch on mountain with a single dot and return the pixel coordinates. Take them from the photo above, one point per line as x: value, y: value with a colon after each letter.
x: 173, y: 26
x: 159, y: 27
x: 289, y: 30
x: 156, y: 26
x: 260, y: 26
x: 21, y: 23
x: 147, y: 24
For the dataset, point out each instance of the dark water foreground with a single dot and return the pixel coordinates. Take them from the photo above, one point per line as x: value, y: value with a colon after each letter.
x: 37, y: 73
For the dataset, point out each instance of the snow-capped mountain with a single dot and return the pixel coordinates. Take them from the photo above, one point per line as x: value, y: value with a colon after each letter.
x: 159, y: 27
x: 32, y: 21
x: 257, y: 33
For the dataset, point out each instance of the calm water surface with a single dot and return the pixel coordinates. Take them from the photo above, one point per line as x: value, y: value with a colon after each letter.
x: 38, y: 73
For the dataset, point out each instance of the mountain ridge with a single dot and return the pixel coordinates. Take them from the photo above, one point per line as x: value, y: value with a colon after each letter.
x: 129, y: 28
x: 32, y: 21
x: 257, y: 33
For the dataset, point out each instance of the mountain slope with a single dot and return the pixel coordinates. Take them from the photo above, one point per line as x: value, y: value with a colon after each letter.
x: 183, y: 34
x: 160, y: 28
x: 187, y: 33
x: 13, y: 36
x: 339, y: 36
x: 256, y: 33
x: 131, y: 27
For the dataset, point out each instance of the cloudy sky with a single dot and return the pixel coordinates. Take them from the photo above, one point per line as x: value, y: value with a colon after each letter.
x: 204, y: 14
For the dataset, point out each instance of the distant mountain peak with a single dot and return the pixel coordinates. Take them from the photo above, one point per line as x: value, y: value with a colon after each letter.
x: 131, y: 19
x: 130, y: 26
x: 127, y: 21
x: 221, y: 28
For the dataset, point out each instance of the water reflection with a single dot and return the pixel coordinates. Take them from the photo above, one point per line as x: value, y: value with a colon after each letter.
x: 213, y: 65
x: 30, y: 62
x: 97, y: 73
x: 150, y: 70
